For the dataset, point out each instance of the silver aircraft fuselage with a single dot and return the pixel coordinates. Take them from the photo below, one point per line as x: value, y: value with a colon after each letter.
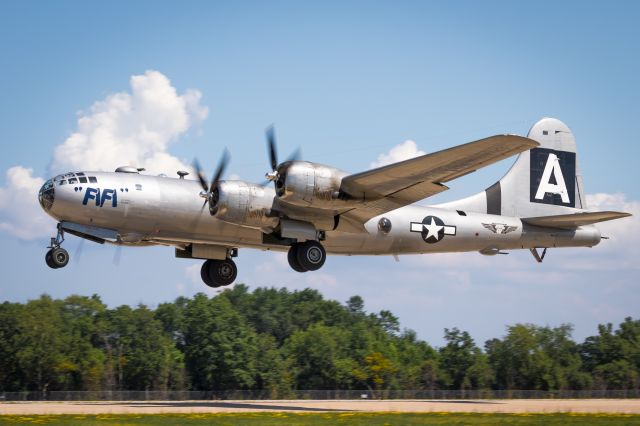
x: 145, y: 210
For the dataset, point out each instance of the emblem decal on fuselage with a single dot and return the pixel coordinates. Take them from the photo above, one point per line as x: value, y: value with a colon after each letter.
x: 553, y: 177
x: 101, y: 196
x: 432, y: 229
x: 499, y: 228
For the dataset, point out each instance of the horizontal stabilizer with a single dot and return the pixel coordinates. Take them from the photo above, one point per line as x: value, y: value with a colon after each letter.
x: 569, y: 221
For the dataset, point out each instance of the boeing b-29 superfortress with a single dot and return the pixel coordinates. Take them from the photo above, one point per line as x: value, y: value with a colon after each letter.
x: 313, y: 209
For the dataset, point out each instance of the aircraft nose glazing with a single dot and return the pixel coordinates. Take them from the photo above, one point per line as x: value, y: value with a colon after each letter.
x: 46, y: 195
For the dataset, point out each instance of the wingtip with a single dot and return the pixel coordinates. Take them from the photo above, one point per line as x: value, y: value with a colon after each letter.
x: 619, y: 215
x: 532, y: 143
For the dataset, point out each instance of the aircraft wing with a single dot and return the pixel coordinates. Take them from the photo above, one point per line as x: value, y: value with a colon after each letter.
x: 396, y: 185
x: 570, y: 221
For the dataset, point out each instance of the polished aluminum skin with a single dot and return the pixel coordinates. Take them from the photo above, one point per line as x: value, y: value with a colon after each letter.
x: 314, y: 201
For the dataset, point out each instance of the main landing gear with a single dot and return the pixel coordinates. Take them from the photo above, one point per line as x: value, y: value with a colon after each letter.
x: 306, y: 256
x: 303, y: 257
x: 57, y: 257
x: 218, y: 273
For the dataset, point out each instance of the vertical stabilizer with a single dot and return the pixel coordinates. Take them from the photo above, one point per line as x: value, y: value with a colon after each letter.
x: 546, y: 180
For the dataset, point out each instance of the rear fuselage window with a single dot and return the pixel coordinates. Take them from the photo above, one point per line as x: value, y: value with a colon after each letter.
x: 138, y: 187
x: 92, y: 179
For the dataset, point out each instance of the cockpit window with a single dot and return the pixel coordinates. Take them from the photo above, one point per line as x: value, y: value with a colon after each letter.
x: 83, y: 180
x: 92, y: 179
x: 79, y: 173
x: 62, y: 182
x: 46, y: 195
x: 72, y: 181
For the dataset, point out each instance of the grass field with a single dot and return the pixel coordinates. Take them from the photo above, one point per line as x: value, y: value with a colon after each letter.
x: 252, y: 419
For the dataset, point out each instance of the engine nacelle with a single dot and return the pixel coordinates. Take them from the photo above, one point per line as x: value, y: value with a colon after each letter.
x: 243, y: 203
x: 309, y: 184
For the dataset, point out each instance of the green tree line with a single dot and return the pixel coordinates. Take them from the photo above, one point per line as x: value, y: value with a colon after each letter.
x: 276, y: 340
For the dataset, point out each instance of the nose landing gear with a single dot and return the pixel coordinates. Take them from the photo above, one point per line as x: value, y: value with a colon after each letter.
x: 57, y: 257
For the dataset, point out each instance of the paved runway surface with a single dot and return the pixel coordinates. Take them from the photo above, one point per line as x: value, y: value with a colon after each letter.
x: 479, y: 406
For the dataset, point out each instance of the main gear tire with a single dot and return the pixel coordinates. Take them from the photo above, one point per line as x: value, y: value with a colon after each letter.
x: 204, y: 273
x: 311, y: 255
x: 221, y: 272
x: 292, y: 257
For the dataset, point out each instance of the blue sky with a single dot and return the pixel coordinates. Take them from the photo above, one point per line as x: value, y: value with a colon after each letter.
x: 346, y: 81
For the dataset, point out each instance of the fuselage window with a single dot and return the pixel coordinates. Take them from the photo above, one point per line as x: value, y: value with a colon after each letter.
x: 92, y: 179
x: 138, y: 187
x: 83, y: 180
x: 72, y: 181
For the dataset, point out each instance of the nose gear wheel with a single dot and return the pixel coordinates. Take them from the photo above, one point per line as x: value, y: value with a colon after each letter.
x: 57, y: 257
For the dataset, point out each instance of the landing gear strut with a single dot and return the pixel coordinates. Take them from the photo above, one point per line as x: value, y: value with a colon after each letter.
x: 306, y: 256
x: 218, y: 273
x: 57, y: 257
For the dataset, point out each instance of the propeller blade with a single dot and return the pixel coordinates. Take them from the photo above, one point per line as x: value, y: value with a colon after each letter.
x: 79, y: 249
x: 198, y: 169
x: 295, y: 156
x: 271, y: 147
x: 117, y: 255
x: 219, y: 172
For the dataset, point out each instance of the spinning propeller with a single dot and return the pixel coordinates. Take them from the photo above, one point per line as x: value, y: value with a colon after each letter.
x: 210, y: 192
x: 278, y: 170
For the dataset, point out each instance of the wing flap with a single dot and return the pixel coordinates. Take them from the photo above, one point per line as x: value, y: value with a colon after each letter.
x: 359, y: 215
x: 570, y: 221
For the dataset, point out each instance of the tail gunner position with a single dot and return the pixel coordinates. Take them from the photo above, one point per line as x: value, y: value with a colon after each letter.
x: 313, y: 209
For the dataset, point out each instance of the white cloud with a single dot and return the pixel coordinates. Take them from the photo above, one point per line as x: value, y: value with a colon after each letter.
x: 127, y: 128
x: 404, y: 151
x: 628, y: 228
x: 20, y: 213
x: 133, y: 128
